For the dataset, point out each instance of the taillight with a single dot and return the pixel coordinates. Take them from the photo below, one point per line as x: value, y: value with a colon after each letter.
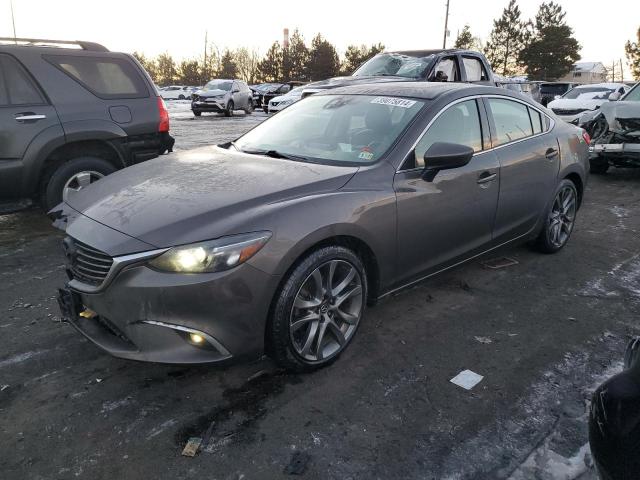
x: 163, y: 126
x: 586, y: 137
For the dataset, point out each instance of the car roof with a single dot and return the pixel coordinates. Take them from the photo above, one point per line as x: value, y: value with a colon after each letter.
x: 419, y: 90
x: 426, y: 53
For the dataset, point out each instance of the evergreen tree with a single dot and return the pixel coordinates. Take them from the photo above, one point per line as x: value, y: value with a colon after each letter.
x: 295, y: 58
x: 466, y: 40
x: 228, y: 67
x: 357, y: 55
x: 270, y: 67
x: 323, y: 59
x: 148, y: 64
x: 508, y: 38
x: 632, y: 49
x: 189, y: 72
x: 553, y: 50
x: 166, y: 69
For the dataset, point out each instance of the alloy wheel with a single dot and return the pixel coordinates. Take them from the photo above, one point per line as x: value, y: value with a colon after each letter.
x: 326, y: 311
x: 562, y: 216
x: 80, y: 180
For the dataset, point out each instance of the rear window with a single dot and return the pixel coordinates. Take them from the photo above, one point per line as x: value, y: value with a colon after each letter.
x: 103, y: 76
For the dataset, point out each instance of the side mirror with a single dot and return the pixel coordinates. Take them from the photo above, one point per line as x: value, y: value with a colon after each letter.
x: 444, y: 156
x: 615, y: 96
x: 235, y: 90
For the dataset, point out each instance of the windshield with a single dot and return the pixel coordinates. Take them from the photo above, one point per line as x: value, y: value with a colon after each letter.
x: 218, y: 85
x: 333, y: 129
x: 633, y: 95
x: 395, y: 64
x: 589, y: 93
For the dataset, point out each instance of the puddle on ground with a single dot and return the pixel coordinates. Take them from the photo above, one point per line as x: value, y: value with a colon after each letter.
x: 21, y: 227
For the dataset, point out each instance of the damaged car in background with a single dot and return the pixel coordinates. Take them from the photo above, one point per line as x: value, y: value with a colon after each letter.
x: 584, y: 99
x: 615, y: 132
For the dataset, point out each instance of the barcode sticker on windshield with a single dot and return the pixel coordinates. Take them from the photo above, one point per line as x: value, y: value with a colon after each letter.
x: 394, y: 102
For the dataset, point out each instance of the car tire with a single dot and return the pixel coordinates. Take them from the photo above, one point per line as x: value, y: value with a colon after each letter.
x: 181, y: 97
x: 229, y: 110
x: 249, y: 109
x: 559, y: 219
x: 71, y: 171
x: 197, y: 113
x: 265, y: 109
x: 307, y: 332
x: 598, y: 166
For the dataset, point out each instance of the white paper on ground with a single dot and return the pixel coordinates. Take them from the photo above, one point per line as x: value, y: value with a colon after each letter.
x: 467, y: 379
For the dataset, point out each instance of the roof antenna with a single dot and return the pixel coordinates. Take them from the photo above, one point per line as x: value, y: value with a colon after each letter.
x: 13, y: 21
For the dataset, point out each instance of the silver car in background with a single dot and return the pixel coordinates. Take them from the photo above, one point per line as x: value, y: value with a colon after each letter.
x: 222, y: 96
x: 276, y: 242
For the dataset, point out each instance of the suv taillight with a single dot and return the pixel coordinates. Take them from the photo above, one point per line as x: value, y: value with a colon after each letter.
x: 586, y: 137
x: 163, y: 126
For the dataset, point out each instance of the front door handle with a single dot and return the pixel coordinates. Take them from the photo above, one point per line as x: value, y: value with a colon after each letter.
x: 29, y: 116
x: 551, y: 153
x: 486, y: 177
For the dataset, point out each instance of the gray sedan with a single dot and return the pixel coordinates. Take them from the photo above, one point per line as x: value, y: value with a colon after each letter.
x: 276, y: 242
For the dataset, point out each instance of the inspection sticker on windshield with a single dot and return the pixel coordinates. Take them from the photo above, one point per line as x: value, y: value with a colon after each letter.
x: 394, y: 102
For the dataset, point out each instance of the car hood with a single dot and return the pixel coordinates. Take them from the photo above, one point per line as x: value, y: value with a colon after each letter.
x: 573, y: 103
x: 282, y: 98
x: 201, y: 194
x: 336, y: 82
x: 622, y: 116
x: 211, y: 93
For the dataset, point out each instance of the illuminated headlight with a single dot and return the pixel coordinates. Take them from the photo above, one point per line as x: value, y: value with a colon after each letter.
x: 212, y: 256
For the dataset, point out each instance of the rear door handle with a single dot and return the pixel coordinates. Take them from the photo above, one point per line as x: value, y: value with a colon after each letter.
x: 27, y: 116
x: 551, y: 153
x: 486, y: 177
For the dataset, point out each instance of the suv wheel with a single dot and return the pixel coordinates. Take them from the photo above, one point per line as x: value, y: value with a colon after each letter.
x: 197, y: 113
x: 318, y: 310
x: 249, y: 109
x: 230, y: 107
x: 560, y: 219
x: 74, y: 174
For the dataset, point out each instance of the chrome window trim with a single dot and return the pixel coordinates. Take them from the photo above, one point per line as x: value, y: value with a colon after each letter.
x: 119, y: 263
x: 552, y: 124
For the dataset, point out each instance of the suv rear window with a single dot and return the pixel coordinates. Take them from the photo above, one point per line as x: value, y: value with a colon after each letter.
x: 105, y: 77
x: 16, y: 88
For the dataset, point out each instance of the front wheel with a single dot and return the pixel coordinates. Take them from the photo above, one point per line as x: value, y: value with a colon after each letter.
x: 318, y: 310
x: 229, y: 111
x: 249, y: 109
x: 197, y: 113
x: 560, y: 219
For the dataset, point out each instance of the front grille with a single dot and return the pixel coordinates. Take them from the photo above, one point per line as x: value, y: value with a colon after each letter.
x: 568, y: 111
x: 88, y: 265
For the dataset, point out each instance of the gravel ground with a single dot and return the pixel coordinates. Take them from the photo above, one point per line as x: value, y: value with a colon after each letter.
x: 542, y: 332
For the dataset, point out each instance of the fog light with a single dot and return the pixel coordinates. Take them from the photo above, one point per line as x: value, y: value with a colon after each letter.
x: 88, y: 313
x: 195, y: 338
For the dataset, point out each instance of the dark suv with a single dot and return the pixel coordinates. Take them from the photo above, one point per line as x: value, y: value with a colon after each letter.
x: 69, y: 116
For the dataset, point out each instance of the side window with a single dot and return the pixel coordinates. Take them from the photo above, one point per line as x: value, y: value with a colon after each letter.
x: 511, y: 119
x: 458, y: 124
x: 474, y: 69
x: 4, y: 97
x: 447, y: 71
x: 536, y: 121
x: 105, y: 77
x: 20, y: 90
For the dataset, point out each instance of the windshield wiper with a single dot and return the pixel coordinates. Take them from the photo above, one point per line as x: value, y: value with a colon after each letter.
x: 276, y: 154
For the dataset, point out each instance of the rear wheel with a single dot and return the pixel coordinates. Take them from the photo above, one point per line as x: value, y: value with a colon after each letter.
x: 230, y: 107
x: 72, y: 176
x: 249, y: 109
x: 560, y: 219
x: 318, y: 310
x: 197, y: 113
x: 598, y: 166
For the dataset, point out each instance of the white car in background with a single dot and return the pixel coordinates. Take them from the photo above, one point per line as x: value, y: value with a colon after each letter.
x: 176, y: 92
x: 283, y: 101
x: 584, y: 99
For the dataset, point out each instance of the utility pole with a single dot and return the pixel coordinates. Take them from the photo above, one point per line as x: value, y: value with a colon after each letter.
x: 204, y: 65
x: 13, y: 21
x: 446, y: 26
x: 621, y: 72
x: 613, y: 71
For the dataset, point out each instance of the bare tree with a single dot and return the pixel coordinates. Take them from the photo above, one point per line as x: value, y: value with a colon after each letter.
x: 247, y: 63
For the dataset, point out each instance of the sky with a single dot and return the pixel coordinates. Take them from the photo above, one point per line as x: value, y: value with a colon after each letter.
x: 157, y: 26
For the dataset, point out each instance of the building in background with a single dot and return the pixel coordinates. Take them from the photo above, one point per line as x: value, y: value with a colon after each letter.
x: 586, y: 72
